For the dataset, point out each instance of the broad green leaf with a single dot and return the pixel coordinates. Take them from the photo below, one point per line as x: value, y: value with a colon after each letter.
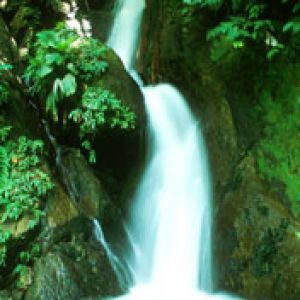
x: 5, y: 67
x: 69, y: 85
x: 54, y: 58
x: 293, y: 26
x: 44, y: 71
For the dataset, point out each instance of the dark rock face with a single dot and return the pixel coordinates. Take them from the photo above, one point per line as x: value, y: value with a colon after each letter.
x: 11, y: 295
x: 256, y: 243
x: 83, y: 186
x: 72, y: 270
x: 259, y: 255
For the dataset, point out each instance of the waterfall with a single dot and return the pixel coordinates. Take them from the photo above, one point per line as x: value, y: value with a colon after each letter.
x: 171, y: 215
x: 169, y: 230
x: 125, y: 31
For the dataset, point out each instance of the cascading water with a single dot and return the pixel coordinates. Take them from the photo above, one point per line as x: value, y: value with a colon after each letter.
x: 125, y: 32
x: 170, y: 226
x: 117, y: 266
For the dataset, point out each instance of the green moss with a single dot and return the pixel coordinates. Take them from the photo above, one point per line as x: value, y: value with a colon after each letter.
x: 278, y: 153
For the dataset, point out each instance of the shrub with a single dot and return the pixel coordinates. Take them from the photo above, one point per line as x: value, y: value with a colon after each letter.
x: 62, y: 62
x: 24, y: 185
x: 100, y: 107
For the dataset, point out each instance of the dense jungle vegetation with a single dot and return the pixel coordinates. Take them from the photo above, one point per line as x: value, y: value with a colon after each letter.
x: 54, y: 72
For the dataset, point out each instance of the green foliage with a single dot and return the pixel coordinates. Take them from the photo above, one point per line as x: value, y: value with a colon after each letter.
x: 26, y: 185
x: 91, y: 62
x: 63, y: 61
x: 65, y: 67
x: 13, y: 5
x: 256, y: 23
x: 278, y: 153
x: 4, y: 133
x: 4, y: 167
x: 28, y: 14
x: 23, y: 273
x: 100, y: 107
x: 4, y: 238
x: 22, y: 269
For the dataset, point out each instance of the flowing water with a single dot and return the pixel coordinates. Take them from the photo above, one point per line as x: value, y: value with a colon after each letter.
x: 125, y: 32
x: 117, y: 266
x: 170, y: 226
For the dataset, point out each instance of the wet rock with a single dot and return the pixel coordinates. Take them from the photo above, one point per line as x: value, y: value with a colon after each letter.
x: 11, y: 295
x: 72, y: 270
x: 82, y: 185
x: 101, y: 21
x: 257, y: 247
x: 60, y: 209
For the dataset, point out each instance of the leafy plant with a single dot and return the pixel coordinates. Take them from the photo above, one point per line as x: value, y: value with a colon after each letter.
x: 4, y: 167
x: 278, y: 153
x: 26, y: 185
x: 23, y: 269
x: 4, y: 238
x: 91, y: 61
x: 100, y: 107
x: 24, y: 274
x: 14, y: 5
x: 65, y: 67
x: 245, y: 22
x: 63, y: 61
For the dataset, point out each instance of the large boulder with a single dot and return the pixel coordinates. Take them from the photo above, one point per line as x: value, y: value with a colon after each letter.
x: 60, y: 209
x: 257, y: 242
x: 11, y: 295
x: 72, y: 270
x: 84, y: 188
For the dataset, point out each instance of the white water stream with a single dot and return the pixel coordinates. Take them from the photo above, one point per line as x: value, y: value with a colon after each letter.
x: 170, y: 226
